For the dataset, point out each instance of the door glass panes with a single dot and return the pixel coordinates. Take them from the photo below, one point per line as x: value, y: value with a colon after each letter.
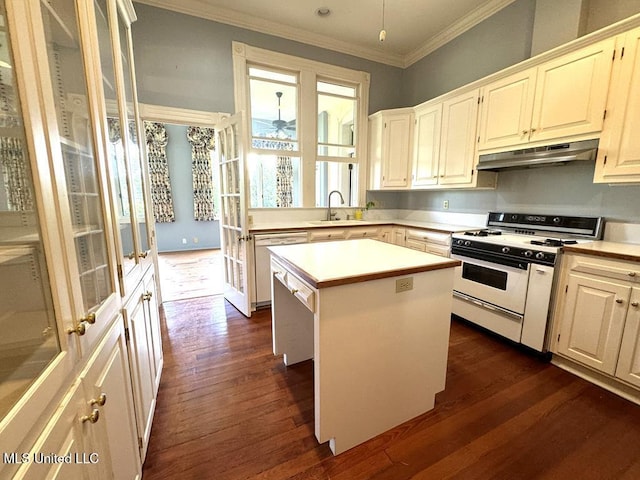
x: 274, y: 110
x: 339, y: 176
x: 74, y: 128
x: 135, y: 157
x: 28, y: 337
x: 337, y: 105
x: 274, y: 181
x: 115, y: 142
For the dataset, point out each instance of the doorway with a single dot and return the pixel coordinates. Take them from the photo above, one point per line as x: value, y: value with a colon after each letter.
x: 189, y: 257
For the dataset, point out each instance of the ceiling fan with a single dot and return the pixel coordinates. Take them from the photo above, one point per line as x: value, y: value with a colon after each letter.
x: 282, y: 126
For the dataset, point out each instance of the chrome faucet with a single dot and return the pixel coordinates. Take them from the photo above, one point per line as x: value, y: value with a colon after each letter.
x: 329, y: 214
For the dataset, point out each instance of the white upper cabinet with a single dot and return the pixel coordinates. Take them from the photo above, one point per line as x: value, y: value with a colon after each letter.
x: 390, y: 134
x: 562, y: 98
x: 507, y: 105
x: 619, y: 151
x: 458, y: 155
x: 426, y: 146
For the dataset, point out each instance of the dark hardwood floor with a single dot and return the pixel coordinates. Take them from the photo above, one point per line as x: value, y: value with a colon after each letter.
x: 229, y: 409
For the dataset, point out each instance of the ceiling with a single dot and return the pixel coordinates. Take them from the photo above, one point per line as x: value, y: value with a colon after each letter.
x: 414, y: 28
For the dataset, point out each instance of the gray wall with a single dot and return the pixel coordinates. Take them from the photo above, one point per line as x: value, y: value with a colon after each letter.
x: 567, y: 189
x: 186, y: 62
x: 500, y: 41
x: 169, y: 235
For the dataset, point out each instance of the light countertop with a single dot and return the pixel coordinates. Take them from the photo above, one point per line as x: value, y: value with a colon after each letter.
x: 621, y: 251
x: 306, y: 225
x: 328, y: 264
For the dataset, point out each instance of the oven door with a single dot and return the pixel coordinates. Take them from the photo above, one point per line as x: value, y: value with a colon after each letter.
x: 502, y: 285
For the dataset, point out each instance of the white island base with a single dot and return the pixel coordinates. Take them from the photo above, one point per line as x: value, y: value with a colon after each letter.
x: 379, y: 356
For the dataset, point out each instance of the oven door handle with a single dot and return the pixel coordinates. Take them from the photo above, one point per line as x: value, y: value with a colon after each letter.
x: 488, y: 306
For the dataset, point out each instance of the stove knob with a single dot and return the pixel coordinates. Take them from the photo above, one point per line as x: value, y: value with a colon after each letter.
x: 467, y: 243
x: 540, y: 255
x: 505, y: 249
x: 459, y: 242
x: 556, y: 220
x: 528, y: 253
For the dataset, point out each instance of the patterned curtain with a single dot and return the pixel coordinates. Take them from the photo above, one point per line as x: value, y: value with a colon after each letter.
x: 15, y: 175
x: 284, y: 171
x: 284, y: 182
x: 202, y: 141
x: 161, y: 197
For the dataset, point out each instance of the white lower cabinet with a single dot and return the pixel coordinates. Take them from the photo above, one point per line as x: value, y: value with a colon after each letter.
x: 141, y: 357
x: 628, y: 368
x: 150, y: 305
x: 92, y: 433
x: 599, y: 316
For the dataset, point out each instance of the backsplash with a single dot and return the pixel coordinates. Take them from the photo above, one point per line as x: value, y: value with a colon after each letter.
x: 567, y: 189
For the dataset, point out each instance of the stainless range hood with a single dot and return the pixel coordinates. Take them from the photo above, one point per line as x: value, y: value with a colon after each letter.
x: 540, y: 156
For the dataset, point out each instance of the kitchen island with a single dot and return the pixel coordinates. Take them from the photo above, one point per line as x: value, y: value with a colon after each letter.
x: 375, y: 319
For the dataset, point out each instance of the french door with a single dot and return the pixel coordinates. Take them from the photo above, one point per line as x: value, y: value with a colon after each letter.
x: 233, y: 212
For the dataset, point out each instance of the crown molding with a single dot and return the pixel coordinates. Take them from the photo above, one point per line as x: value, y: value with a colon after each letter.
x: 230, y: 17
x: 197, y: 9
x: 458, y: 28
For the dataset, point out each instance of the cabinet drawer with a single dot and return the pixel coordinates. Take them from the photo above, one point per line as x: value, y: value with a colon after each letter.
x: 430, y: 236
x: 279, y: 272
x: 302, y: 291
x: 296, y: 286
x: 619, y: 270
x: 438, y: 250
x: 414, y: 244
x: 363, y: 232
x: 323, y: 234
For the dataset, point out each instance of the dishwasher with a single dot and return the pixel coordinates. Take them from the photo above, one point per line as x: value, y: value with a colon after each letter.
x: 263, y: 259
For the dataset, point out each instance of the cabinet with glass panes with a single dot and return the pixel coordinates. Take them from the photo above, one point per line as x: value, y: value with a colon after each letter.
x: 65, y: 377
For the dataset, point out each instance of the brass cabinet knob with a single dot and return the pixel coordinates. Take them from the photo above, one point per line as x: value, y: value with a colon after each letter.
x: 147, y: 296
x: 90, y: 319
x: 634, y: 304
x: 524, y: 132
x: 143, y: 255
x: 632, y: 274
x: 79, y: 329
x: 619, y: 300
x: 93, y: 418
x: 294, y: 291
x: 131, y: 256
x: 100, y: 401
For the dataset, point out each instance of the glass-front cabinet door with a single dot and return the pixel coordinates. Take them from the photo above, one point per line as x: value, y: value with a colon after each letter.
x: 123, y: 146
x: 58, y: 275
x: 28, y: 330
x: 80, y: 174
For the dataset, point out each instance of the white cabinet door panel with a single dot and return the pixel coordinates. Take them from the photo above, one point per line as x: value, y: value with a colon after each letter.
x: 507, y: 106
x: 593, y: 321
x: 571, y: 93
x: 629, y: 361
x: 619, y: 152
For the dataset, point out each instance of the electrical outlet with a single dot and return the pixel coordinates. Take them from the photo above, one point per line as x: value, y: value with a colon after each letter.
x: 445, y: 204
x: 404, y: 284
x: 250, y: 220
x: 184, y: 241
x: 195, y: 239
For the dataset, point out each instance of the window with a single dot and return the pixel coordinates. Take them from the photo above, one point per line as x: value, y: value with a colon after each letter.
x: 306, y: 121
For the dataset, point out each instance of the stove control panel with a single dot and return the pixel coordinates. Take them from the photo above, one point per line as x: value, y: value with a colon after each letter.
x: 491, y: 251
